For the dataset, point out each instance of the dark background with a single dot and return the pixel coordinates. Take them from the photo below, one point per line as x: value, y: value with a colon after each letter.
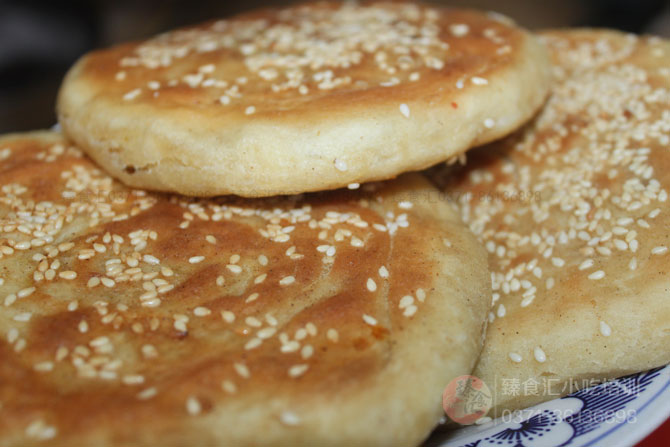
x: 40, y: 39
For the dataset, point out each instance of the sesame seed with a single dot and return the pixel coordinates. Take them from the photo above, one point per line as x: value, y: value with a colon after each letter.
x: 133, y: 379
x: 371, y: 285
x: 149, y: 259
x: 25, y: 245
x: 289, y: 418
x: 196, y: 259
x: 539, y: 354
x: 369, y: 320
x: 25, y: 292
x: 43, y: 366
x: 263, y: 260
x: 22, y: 317
x: 132, y: 94
x: 149, y: 351
x: 10, y: 299
x: 287, y: 280
x: 557, y: 262
x: 229, y: 387
x: 99, y: 341
x: 266, y: 333
x: 527, y: 301
x: 227, y: 316
x: 300, y: 334
x: 272, y: 321
x: 253, y: 322
x: 405, y: 301
x: 61, y: 353
x: 479, y: 81
x: 201, y: 311
x: 410, y: 310
x: 353, y: 185
x: 383, y: 272
x: 597, y: 275
x: 516, y: 358
x: 242, y: 370
x: 68, y: 274
x: 660, y: 250
x: 332, y: 335
x: 587, y: 264
x: 404, y: 109
x: 236, y: 269
x: 420, y: 295
x: 291, y: 346
x: 489, y: 123
x: 605, y: 329
x: 297, y: 370
x: 40, y: 430
x: 340, y: 165
x: 147, y: 393
x: 253, y: 343
x: 459, y: 29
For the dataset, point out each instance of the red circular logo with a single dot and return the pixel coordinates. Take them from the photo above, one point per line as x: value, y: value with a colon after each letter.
x: 466, y: 399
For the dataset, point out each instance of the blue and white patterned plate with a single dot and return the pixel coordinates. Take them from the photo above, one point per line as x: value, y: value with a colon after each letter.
x: 617, y: 413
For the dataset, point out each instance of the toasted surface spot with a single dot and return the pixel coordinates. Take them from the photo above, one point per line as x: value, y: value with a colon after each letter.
x: 142, y: 346
x: 573, y: 210
x: 313, y: 97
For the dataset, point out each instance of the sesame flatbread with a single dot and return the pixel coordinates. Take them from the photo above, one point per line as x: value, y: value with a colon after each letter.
x: 305, y: 98
x: 131, y: 318
x: 573, y: 211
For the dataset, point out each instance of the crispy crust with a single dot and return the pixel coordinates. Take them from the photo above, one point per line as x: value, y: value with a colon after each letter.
x: 573, y: 210
x: 185, y: 140
x: 79, y: 354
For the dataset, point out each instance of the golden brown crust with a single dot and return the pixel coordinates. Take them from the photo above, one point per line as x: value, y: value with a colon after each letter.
x: 303, y: 341
x: 573, y: 210
x: 371, y: 92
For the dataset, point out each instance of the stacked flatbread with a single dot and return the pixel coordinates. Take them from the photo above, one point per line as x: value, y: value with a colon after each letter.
x: 132, y: 318
x: 331, y: 316
x: 314, y: 97
x: 573, y: 210
x: 139, y: 318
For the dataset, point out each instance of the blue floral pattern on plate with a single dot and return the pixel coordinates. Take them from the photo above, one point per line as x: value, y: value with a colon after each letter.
x: 615, y: 413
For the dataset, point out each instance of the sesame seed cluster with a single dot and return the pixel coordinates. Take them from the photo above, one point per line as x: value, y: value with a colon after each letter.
x: 307, y: 50
x: 578, y: 200
x: 136, y: 283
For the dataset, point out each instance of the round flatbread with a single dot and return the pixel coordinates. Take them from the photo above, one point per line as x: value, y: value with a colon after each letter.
x: 130, y: 318
x: 573, y: 211
x: 307, y: 98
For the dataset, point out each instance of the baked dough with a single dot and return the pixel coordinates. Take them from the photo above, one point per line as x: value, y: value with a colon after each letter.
x: 308, y: 98
x: 573, y: 211
x: 131, y: 318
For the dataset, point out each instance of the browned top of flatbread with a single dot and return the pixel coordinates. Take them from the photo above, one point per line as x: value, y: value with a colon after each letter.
x: 304, y: 98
